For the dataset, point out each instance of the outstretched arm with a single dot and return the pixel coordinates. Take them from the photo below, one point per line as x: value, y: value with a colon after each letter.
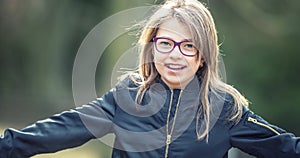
x: 66, y: 130
x: 257, y: 137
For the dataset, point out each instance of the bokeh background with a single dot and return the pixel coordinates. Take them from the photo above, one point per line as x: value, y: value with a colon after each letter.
x: 39, y: 40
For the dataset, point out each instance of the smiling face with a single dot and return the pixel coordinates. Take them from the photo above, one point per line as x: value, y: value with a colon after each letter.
x: 176, y: 69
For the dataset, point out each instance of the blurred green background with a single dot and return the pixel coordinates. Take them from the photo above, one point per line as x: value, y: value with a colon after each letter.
x: 40, y: 38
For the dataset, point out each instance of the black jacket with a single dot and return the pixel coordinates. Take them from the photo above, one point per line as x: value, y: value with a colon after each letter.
x: 140, y: 130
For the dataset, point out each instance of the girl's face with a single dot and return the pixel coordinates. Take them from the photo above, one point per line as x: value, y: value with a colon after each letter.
x: 175, y: 68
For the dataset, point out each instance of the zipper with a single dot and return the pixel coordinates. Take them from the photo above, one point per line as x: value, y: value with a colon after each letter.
x: 253, y: 120
x: 168, y: 138
x: 169, y: 133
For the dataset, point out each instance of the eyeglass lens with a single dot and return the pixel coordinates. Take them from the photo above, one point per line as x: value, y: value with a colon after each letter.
x: 166, y: 45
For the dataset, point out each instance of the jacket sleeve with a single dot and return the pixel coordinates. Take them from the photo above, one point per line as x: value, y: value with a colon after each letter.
x: 66, y: 130
x: 257, y: 137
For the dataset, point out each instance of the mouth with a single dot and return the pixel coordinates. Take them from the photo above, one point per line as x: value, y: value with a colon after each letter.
x: 175, y: 66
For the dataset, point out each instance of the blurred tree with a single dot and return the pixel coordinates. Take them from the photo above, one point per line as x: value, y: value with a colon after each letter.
x: 39, y: 41
x: 260, y: 45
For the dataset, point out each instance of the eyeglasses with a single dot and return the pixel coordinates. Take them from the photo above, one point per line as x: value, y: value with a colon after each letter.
x: 166, y: 45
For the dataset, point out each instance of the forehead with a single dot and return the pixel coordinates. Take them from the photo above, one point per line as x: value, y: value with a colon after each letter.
x: 174, y: 29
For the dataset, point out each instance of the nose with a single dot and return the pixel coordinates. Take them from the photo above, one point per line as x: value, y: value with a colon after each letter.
x: 176, y: 53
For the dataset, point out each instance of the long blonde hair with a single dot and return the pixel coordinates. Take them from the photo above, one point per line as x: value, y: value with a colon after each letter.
x: 201, y: 24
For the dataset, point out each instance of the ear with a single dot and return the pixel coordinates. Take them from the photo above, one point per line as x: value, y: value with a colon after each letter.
x: 201, y: 62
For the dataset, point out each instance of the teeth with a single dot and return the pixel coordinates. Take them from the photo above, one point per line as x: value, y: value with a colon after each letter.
x: 175, y: 66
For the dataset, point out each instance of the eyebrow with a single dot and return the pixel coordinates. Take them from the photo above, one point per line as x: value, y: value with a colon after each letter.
x: 185, y: 39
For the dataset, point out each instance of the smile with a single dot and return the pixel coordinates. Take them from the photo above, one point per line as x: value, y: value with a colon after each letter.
x: 175, y: 66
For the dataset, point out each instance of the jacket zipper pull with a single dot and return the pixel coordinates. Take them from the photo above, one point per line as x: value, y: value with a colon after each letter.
x: 168, y: 141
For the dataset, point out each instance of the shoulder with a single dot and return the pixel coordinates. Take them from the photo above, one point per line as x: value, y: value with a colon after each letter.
x: 130, y: 80
x: 127, y: 87
x: 231, y: 112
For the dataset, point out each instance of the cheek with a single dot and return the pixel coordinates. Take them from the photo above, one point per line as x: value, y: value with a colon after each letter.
x: 158, y: 57
x: 158, y: 61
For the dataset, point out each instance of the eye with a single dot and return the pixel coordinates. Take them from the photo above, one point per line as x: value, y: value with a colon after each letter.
x: 188, y: 46
x: 164, y: 43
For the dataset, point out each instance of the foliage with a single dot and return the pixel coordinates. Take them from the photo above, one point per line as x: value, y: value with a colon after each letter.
x: 39, y: 41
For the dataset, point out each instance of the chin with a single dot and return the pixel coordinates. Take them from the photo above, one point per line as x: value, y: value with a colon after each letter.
x: 175, y: 83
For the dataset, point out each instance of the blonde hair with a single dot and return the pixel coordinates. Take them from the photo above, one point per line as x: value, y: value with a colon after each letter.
x: 201, y: 24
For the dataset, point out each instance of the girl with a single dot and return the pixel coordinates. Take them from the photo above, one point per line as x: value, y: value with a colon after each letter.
x: 174, y: 106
